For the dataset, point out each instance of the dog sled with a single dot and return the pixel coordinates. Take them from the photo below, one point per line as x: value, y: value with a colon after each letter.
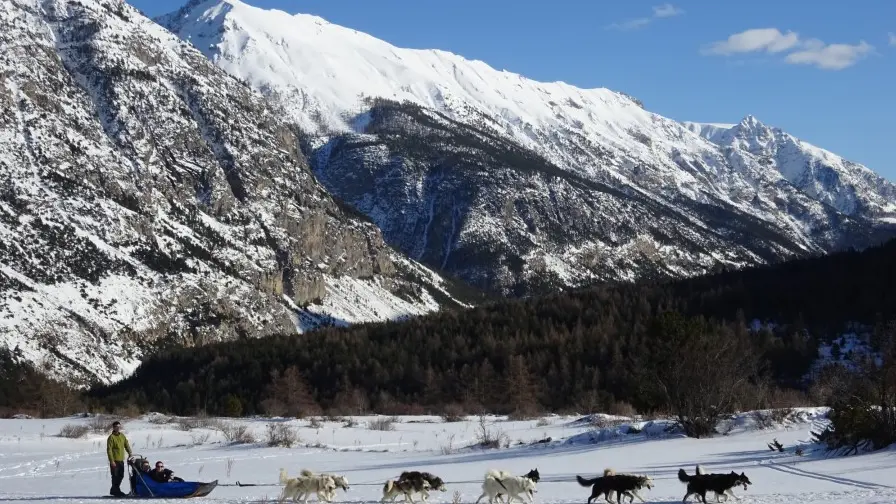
x: 144, y: 487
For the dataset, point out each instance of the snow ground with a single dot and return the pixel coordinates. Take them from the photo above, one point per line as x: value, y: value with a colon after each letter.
x: 37, y: 466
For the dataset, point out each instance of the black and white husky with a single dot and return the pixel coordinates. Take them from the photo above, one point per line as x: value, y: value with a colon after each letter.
x: 498, y: 483
x: 394, y: 488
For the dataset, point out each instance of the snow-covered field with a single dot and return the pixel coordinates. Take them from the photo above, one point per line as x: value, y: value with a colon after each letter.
x: 38, y: 466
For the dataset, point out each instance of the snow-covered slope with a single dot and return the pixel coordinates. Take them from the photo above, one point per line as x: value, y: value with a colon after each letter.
x: 849, y: 187
x: 147, y: 199
x: 324, y: 77
x: 41, y: 467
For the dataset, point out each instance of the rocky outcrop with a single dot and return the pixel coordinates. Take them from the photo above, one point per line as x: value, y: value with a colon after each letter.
x: 147, y: 198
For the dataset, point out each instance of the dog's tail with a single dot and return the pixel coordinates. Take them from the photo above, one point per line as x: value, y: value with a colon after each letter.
x: 586, y: 482
x: 283, y: 476
x: 609, y: 472
x: 388, y: 486
x: 307, y: 473
x: 495, y: 474
x: 700, y: 469
x: 683, y: 476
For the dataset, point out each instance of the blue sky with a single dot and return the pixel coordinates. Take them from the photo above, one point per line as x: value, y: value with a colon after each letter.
x: 824, y: 71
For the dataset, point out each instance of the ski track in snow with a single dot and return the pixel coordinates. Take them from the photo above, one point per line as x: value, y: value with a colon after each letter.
x: 37, y: 466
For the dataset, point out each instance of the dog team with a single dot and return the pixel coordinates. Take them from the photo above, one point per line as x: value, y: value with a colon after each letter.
x: 500, y: 483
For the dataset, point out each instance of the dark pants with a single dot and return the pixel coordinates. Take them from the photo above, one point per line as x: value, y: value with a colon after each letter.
x: 117, y: 478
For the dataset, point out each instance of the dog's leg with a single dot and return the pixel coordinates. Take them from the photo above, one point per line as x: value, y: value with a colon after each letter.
x: 594, y: 495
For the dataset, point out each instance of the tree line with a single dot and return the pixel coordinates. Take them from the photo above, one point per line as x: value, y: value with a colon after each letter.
x: 582, y: 350
x: 694, y: 348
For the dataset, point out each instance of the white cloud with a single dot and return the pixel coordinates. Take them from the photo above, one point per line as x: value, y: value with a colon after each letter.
x: 666, y: 10
x: 758, y: 39
x: 892, y: 39
x: 800, y: 52
x: 831, y: 56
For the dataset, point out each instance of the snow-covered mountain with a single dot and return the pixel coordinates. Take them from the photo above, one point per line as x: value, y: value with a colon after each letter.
x: 851, y: 188
x: 670, y: 200
x: 149, y: 199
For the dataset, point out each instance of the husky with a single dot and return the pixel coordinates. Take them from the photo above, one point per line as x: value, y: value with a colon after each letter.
x: 720, y: 484
x: 532, y: 475
x: 394, y: 488
x: 501, y: 482
x: 306, y: 483
x: 340, y: 480
x: 622, y: 484
x: 417, y: 478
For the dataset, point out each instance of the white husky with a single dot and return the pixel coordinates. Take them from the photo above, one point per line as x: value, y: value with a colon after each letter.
x: 502, y: 482
x: 340, y: 480
x: 306, y: 483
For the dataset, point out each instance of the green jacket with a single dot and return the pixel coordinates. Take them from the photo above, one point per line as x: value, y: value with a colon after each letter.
x: 116, y: 446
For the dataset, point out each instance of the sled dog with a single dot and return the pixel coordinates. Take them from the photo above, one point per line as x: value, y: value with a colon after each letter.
x: 394, y: 488
x: 622, y: 484
x: 502, y: 482
x: 305, y: 484
x: 532, y: 475
x: 340, y: 480
x: 417, y: 478
x: 719, y: 483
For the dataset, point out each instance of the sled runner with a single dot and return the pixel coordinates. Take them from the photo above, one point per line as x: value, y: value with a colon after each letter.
x: 142, y: 486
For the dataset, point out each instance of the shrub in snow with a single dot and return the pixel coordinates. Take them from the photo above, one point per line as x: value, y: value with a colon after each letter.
x: 281, y: 434
x: 72, y: 431
x: 453, y: 413
x: 236, y: 433
x: 382, y: 424
x: 102, y: 424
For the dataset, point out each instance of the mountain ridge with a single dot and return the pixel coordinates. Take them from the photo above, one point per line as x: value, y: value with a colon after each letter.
x: 326, y: 78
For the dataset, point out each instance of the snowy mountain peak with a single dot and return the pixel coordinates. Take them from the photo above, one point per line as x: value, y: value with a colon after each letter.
x: 849, y: 187
x: 385, y: 120
x: 323, y: 71
x: 751, y: 124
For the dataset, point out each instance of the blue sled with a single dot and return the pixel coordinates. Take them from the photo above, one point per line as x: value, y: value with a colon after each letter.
x: 142, y: 486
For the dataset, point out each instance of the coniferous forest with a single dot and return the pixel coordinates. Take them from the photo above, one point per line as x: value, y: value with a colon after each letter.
x: 650, y: 346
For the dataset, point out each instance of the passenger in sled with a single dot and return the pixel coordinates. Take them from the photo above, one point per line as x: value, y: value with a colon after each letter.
x: 160, y: 474
x: 160, y: 483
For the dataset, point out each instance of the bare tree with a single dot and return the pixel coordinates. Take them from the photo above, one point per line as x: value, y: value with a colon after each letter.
x: 288, y: 394
x: 865, y: 417
x: 695, y: 370
x: 521, y: 388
